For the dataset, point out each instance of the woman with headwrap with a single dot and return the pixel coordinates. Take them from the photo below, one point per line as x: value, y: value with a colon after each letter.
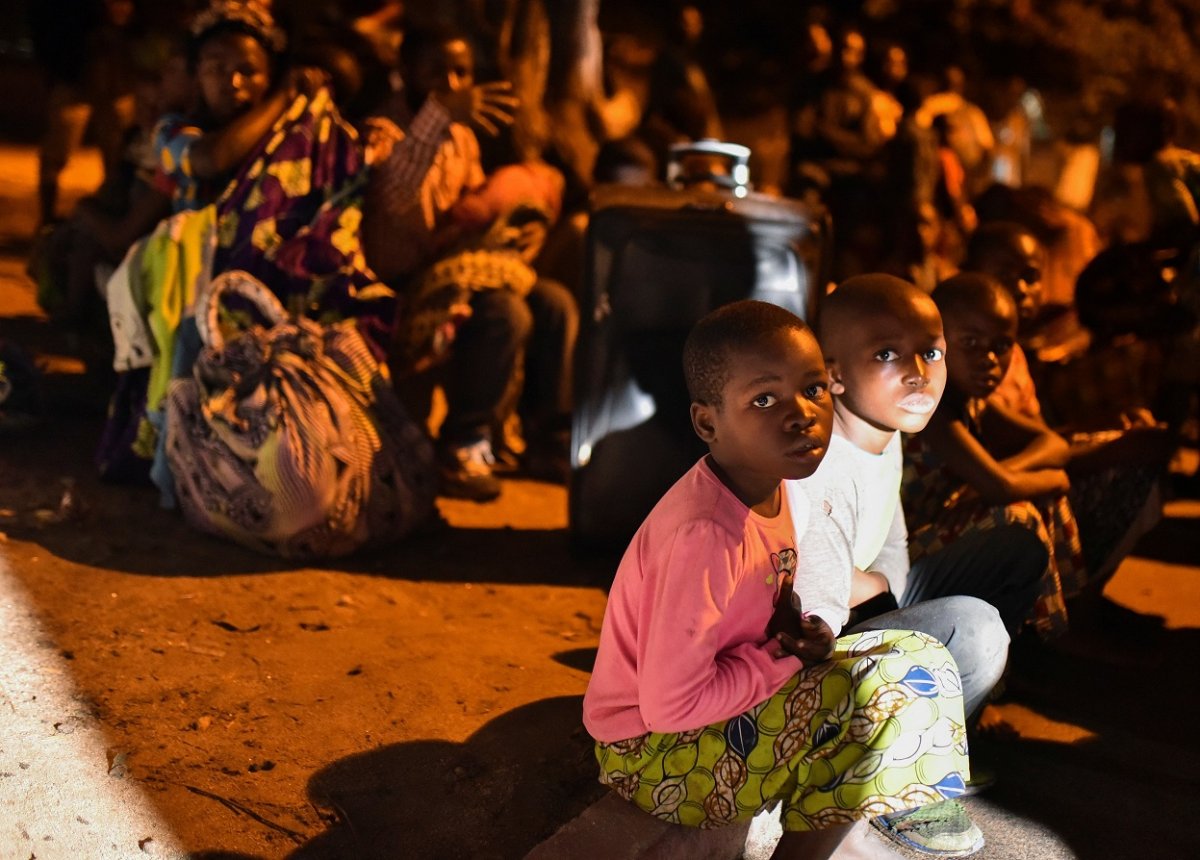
x: 265, y: 177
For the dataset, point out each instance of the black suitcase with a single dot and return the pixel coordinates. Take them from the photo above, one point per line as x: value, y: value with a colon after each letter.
x: 658, y: 259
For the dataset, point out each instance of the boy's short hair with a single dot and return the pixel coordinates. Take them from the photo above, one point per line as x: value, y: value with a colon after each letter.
x: 971, y: 291
x: 736, y: 326
x: 869, y: 294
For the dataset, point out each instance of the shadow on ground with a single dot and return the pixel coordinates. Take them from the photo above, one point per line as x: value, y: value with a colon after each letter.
x: 1173, y: 541
x: 1129, y: 791
x: 488, y: 797
x: 124, y: 529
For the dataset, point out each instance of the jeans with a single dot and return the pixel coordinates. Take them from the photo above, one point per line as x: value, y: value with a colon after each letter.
x: 971, y: 596
x: 970, y: 629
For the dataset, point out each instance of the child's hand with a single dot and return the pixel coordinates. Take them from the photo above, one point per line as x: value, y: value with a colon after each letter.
x: 806, y: 637
x: 814, y: 644
x: 785, y: 618
x: 486, y: 106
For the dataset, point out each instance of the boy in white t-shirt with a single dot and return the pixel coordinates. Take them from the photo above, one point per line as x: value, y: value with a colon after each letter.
x: 884, y: 350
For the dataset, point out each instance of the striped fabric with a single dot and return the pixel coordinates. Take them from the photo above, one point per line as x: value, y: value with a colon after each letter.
x: 290, y: 440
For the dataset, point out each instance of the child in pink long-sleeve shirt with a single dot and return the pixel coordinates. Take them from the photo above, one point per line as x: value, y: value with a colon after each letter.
x: 712, y: 694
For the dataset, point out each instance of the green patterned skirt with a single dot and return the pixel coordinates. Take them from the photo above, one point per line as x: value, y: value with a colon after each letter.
x: 877, y: 728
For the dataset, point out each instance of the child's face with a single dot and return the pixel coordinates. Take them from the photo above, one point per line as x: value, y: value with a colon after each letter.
x: 234, y: 72
x: 890, y: 369
x: 450, y: 69
x: 980, y: 344
x: 1020, y: 271
x: 776, y: 414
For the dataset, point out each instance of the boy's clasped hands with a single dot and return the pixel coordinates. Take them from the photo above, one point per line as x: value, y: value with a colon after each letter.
x: 794, y: 632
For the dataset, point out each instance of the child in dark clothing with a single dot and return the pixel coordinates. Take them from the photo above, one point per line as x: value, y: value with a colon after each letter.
x: 979, y: 465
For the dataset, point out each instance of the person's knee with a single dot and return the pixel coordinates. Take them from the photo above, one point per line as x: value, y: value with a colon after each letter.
x: 552, y: 304
x: 502, y: 310
x: 980, y: 640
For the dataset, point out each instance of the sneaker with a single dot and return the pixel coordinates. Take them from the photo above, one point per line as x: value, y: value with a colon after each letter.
x: 943, y: 829
x: 467, y: 472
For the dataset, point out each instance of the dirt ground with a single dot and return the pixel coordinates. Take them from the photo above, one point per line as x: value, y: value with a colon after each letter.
x: 280, y: 703
x: 420, y: 701
x: 423, y: 700
x: 426, y: 696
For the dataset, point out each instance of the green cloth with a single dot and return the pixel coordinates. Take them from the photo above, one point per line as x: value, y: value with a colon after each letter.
x: 176, y: 258
x: 877, y: 728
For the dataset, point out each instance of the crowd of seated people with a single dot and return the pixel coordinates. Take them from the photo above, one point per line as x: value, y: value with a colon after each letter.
x: 366, y: 169
x: 453, y: 236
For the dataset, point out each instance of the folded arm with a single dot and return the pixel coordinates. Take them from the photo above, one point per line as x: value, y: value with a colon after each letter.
x: 995, y: 481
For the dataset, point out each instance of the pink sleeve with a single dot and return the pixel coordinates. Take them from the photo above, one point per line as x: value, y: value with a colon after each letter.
x: 686, y: 680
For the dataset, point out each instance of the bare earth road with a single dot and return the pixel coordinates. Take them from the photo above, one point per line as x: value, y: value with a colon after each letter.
x: 163, y: 694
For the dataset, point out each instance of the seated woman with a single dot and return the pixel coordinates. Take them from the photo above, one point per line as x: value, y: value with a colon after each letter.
x: 978, y: 465
x: 264, y: 177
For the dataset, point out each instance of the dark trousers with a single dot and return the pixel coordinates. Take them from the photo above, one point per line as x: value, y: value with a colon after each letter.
x: 1001, y: 566
x: 508, y: 337
x: 970, y: 596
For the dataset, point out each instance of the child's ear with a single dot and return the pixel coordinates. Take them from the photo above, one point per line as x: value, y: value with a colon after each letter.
x: 836, y: 387
x: 702, y: 422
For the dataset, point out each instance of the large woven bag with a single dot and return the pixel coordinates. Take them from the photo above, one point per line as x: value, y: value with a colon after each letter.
x: 289, y: 439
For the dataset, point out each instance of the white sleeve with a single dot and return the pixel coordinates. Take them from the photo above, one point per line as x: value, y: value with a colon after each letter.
x: 892, y: 560
x: 824, y: 524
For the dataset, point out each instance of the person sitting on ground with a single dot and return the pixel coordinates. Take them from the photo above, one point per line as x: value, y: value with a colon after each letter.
x: 234, y: 53
x: 419, y: 177
x: 1013, y: 254
x: 979, y: 466
x: 1068, y: 237
x: 263, y: 176
x: 491, y: 238
x: 854, y: 123
x: 1115, y: 462
x: 706, y: 665
x: 1150, y: 190
x: 884, y: 350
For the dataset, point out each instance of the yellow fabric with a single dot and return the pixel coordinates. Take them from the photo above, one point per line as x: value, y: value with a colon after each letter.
x: 173, y: 262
